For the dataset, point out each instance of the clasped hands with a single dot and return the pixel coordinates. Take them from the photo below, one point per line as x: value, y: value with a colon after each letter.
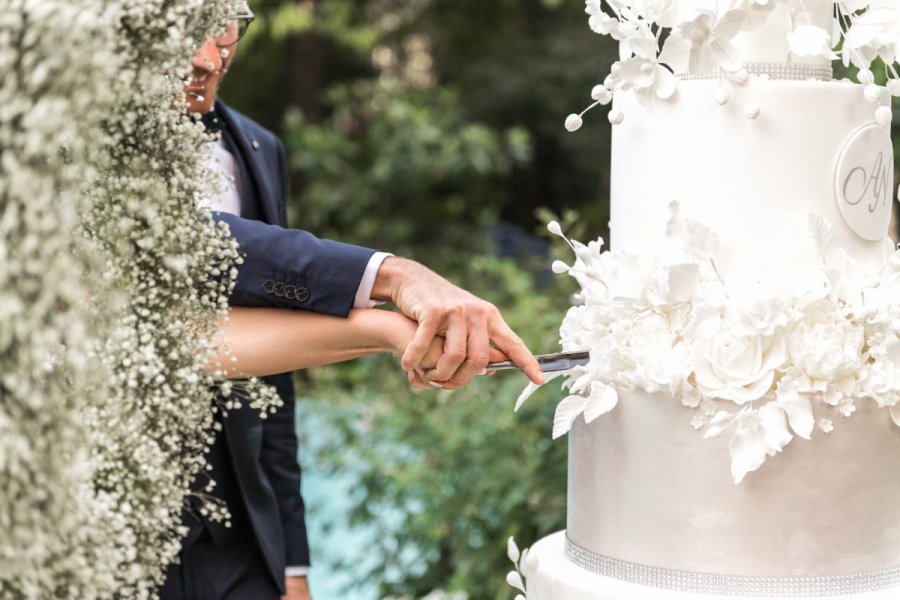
x: 454, y: 332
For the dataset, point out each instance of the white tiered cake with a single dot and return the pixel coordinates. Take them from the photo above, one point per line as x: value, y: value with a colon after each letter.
x: 761, y: 306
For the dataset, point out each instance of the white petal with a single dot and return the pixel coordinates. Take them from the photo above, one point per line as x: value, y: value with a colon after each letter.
x: 515, y: 580
x: 895, y: 414
x: 701, y: 240
x: 809, y: 40
x: 773, y: 423
x: 730, y: 24
x: 683, y: 279
x: 512, y: 551
x: 748, y: 451
x: 525, y: 395
x: 603, y: 399
x: 531, y: 388
x: 566, y: 412
x: 726, y: 55
x: 719, y: 423
x: 800, y: 416
x: 822, y: 232
x: 666, y: 83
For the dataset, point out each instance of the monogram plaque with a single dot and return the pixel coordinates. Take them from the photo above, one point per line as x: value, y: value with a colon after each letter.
x: 864, y: 183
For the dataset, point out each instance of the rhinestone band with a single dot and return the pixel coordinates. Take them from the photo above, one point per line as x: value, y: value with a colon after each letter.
x: 773, y: 71
x: 732, y: 585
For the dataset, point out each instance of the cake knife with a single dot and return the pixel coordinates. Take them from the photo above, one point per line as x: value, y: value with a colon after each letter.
x: 549, y: 363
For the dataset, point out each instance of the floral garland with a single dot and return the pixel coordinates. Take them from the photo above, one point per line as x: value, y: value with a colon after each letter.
x: 61, y: 538
x: 659, y: 39
x: 107, y: 408
x: 758, y: 361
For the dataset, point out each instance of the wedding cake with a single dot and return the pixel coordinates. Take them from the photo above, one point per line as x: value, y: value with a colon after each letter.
x: 735, y: 431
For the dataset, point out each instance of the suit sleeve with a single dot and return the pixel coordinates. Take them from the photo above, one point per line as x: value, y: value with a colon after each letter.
x: 290, y: 268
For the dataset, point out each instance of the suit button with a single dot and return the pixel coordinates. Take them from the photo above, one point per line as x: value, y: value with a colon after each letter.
x: 290, y: 292
x: 269, y: 286
x: 279, y: 290
x: 302, y: 294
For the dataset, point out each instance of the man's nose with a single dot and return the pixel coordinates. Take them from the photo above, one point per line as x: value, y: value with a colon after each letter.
x: 207, y: 57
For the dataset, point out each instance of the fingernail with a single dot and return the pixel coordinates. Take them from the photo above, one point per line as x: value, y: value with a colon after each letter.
x: 435, y: 384
x: 420, y: 371
x: 483, y: 372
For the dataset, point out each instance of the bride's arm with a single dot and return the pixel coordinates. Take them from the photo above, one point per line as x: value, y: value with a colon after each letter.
x: 265, y: 341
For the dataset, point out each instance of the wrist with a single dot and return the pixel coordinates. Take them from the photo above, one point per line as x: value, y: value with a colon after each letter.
x: 389, y: 278
x: 398, y: 333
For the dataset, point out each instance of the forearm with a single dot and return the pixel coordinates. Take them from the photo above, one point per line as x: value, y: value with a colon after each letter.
x: 265, y: 341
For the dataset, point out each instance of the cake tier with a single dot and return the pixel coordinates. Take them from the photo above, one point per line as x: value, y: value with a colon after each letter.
x: 645, y: 488
x: 557, y: 578
x: 769, y: 42
x: 814, y: 148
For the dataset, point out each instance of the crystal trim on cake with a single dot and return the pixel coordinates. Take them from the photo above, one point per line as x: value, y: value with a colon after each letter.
x: 731, y: 585
x: 773, y: 71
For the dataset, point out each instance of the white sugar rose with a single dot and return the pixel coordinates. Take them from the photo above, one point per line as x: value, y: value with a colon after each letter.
x: 736, y: 367
x: 824, y: 344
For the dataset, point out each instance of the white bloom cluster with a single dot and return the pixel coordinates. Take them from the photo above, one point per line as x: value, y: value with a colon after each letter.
x: 661, y: 38
x: 60, y: 537
x: 106, y: 407
x: 742, y: 356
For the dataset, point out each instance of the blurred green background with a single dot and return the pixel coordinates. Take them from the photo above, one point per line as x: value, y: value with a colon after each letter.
x: 433, y: 129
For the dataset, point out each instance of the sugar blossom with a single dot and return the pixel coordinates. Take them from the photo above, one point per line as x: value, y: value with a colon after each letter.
x: 761, y: 364
x: 699, y: 38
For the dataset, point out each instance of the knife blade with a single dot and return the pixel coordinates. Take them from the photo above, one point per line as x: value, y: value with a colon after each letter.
x: 549, y: 363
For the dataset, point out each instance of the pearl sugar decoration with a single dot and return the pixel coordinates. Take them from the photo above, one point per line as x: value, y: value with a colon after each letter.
x: 873, y: 92
x: 866, y: 77
x: 752, y: 110
x: 616, y: 116
x: 722, y: 96
x: 601, y: 94
x: 574, y: 122
x: 885, y: 116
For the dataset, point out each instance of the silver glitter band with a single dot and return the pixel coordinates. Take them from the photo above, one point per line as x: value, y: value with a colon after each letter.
x: 732, y: 585
x: 779, y: 71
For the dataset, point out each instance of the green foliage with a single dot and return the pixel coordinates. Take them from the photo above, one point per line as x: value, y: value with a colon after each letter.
x: 401, y: 167
x: 416, y: 127
x: 448, y: 476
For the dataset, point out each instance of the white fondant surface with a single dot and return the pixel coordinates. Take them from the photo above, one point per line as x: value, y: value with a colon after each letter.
x: 645, y: 487
x: 557, y: 578
x: 753, y: 181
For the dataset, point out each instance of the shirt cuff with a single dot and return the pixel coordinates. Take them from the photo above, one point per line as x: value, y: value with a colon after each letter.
x: 296, y: 571
x: 364, y: 293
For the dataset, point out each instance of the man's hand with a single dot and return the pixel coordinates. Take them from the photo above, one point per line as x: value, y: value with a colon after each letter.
x: 296, y: 588
x: 467, y: 323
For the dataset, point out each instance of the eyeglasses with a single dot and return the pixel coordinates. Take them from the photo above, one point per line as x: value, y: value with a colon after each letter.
x: 232, y: 36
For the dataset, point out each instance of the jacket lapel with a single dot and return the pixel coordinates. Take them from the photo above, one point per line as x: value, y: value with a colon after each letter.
x: 253, y: 155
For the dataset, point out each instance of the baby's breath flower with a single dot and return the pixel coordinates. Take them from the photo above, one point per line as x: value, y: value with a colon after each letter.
x: 111, y: 286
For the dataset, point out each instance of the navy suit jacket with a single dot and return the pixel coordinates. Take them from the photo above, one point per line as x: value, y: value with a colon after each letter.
x: 288, y: 269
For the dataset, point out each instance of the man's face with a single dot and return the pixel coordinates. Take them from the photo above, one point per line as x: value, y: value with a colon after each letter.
x: 210, y: 63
